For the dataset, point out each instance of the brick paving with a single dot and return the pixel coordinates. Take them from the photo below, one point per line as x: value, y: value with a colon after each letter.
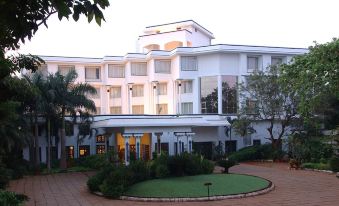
x: 293, y: 187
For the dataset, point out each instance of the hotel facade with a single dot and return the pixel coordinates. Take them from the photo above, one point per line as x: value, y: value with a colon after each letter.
x: 175, y: 94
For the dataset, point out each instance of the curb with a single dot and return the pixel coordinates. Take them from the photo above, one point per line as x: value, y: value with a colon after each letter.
x: 268, y: 189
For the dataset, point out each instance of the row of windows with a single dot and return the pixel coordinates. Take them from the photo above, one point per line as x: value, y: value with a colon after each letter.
x: 138, y: 90
x: 186, y: 108
x: 254, y: 64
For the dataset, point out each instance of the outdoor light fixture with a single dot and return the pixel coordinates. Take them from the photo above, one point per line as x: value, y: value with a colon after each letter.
x: 108, y: 88
x: 208, y: 184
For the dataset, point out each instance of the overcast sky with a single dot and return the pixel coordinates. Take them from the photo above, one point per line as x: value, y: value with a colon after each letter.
x: 289, y: 23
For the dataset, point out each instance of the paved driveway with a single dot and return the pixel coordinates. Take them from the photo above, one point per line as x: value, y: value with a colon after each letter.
x: 292, y: 188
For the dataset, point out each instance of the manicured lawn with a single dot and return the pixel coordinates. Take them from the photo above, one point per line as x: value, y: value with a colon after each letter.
x: 193, y: 186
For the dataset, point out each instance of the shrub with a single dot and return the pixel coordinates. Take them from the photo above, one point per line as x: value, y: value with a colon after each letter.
x: 11, y: 199
x: 5, y: 176
x: 117, y: 182
x: 207, y: 166
x: 226, y: 164
x: 318, y: 166
x: 334, y: 164
x: 140, y: 171
x: 161, y: 171
x: 95, y: 181
x: 265, y: 151
x: 93, y: 161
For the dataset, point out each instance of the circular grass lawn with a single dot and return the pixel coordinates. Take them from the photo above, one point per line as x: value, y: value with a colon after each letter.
x: 193, y: 186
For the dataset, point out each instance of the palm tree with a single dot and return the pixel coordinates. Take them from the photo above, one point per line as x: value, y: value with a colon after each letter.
x: 69, y: 97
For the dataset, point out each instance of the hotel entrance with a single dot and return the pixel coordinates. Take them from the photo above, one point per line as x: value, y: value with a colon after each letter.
x: 145, y: 146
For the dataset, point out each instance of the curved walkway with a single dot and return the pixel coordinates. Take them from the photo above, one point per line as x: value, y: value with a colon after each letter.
x: 291, y: 188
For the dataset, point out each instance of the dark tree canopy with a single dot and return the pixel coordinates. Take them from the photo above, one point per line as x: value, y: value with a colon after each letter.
x: 20, y: 19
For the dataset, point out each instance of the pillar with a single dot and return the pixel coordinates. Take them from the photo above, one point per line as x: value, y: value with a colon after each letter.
x: 179, y: 97
x: 127, y: 152
x: 158, y: 134
x: 138, y: 145
x: 219, y: 94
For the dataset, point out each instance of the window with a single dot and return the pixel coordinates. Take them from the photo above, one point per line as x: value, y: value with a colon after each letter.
x: 92, y: 73
x: 162, y: 89
x: 187, y: 108
x: 162, y: 66
x: 100, y: 149
x: 64, y: 69
x: 84, y: 150
x: 116, y: 71
x: 97, y: 95
x: 70, y: 152
x: 256, y: 142
x: 116, y: 110
x: 137, y: 109
x: 115, y: 92
x: 188, y: 63
x: 209, y: 94
x: 162, y: 109
x: 251, y: 106
x: 54, y: 152
x: 139, y: 69
x: 186, y: 86
x: 276, y: 60
x: 252, y: 64
x: 137, y: 90
x: 229, y: 94
x: 100, y: 139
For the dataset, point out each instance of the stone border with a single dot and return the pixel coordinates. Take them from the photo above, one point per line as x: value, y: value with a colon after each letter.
x: 265, y: 190
x: 316, y: 170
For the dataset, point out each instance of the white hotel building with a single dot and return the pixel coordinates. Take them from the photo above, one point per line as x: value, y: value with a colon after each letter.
x: 173, y: 95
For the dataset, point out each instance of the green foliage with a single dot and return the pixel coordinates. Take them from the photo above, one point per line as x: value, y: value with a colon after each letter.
x: 95, y: 181
x: 11, y: 199
x: 276, y: 103
x: 318, y: 166
x: 117, y: 182
x: 334, y: 164
x: 256, y: 153
x: 97, y: 161
x: 181, y: 165
x: 5, y: 176
x: 226, y: 164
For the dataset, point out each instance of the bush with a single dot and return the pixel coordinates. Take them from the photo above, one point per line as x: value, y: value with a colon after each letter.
x: 226, y: 164
x: 334, y: 164
x: 11, y: 199
x: 95, y: 181
x: 259, y: 152
x: 161, y: 171
x: 207, y: 167
x: 140, y: 171
x: 93, y: 161
x: 5, y: 176
x: 117, y: 182
x: 318, y: 166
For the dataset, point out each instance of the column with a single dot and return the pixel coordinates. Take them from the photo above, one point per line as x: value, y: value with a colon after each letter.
x: 179, y: 97
x: 138, y: 145
x: 127, y: 152
x: 158, y: 134
x: 190, y: 141
x: 219, y: 94
x: 130, y: 89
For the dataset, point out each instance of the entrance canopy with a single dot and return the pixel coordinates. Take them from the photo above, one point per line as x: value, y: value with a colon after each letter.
x: 126, y: 121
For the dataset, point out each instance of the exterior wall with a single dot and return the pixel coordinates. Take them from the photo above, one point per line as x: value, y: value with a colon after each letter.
x: 212, y: 60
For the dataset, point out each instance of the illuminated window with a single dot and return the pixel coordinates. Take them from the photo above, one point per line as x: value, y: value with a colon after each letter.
x: 100, y: 149
x: 100, y: 139
x: 70, y: 152
x: 84, y: 150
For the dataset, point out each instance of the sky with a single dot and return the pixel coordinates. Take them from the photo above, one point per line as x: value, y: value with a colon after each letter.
x: 286, y: 23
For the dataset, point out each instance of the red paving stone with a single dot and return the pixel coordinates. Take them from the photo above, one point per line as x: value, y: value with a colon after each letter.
x: 293, y: 187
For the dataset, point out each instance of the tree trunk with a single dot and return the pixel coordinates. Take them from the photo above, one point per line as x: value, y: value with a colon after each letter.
x: 36, y: 141
x: 63, y: 161
x: 49, y: 144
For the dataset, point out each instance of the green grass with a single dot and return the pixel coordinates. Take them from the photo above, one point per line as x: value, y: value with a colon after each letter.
x: 318, y: 166
x: 193, y: 186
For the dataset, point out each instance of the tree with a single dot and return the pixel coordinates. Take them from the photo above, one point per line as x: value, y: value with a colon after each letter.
x: 314, y: 76
x: 69, y: 98
x: 20, y: 19
x: 266, y: 97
